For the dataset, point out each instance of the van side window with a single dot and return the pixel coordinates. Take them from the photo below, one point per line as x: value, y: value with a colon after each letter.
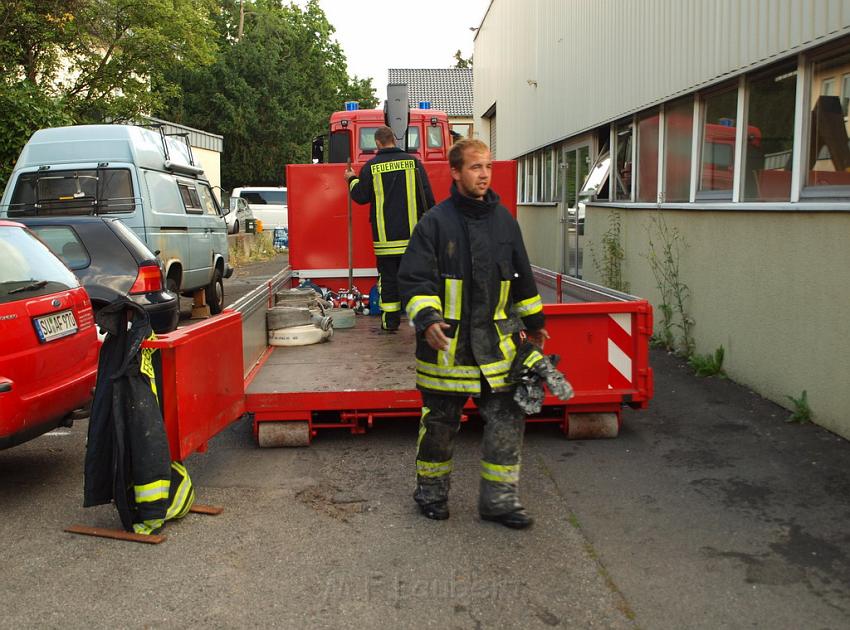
x: 165, y: 196
x: 208, y: 201
x: 191, y: 201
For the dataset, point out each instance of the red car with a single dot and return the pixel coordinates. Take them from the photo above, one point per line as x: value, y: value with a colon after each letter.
x: 49, y: 349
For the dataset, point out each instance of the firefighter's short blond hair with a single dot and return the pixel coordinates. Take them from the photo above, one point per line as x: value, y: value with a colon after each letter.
x: 460, y: 148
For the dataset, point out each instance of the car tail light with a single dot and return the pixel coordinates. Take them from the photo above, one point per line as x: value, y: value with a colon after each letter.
x: 149, y: 279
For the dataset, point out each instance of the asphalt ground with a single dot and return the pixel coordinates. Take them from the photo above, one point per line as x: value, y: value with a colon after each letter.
x: 708, y: 511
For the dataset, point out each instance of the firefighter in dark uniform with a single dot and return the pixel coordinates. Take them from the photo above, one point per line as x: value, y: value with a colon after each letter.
x: 470, y: 292
x: 397, y: 187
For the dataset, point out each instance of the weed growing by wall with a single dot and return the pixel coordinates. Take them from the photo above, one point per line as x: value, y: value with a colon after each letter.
x: 665, y: 252
x: 609, y: 263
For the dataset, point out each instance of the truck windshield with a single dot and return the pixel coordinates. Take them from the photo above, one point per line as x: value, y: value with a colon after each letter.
x: 81, y: 191
x: 367, y: 139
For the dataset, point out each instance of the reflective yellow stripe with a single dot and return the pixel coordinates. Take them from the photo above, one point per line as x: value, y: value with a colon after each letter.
x: 422, y: 429
x: 184, y: 497
x: 410, y: 182
x: 146, y: 366
x: 504, y: 290
x: 497, y: 371
x: 499, y: 473
x: 529, y: 307
x: 148, y: 527
x: 454, y: 298
x: 393, y: 165
x: 379, y: 207
x: 447, y: 357
x: 433, y: 469
x: 459, y: 371
x: 352, y: 183
x: 391, y: 251
x: 153, y: 491
x: 387, y: 307
x: 465, y: 386
x: 533, y: 358
x: 400, y: 243
x: 418, y: 302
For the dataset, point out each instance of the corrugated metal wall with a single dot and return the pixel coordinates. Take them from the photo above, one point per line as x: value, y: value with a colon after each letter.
x: 558, y: 67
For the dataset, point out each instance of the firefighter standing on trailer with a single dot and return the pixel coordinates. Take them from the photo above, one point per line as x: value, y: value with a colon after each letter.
x: 469, y: 289
x: 398, y: 189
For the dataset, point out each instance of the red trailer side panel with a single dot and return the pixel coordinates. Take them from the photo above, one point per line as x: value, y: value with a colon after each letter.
x: 318, y: 219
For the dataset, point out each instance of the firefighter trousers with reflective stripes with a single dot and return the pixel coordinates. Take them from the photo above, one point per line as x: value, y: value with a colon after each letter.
x: 504, y: 423
x: 389, y: 296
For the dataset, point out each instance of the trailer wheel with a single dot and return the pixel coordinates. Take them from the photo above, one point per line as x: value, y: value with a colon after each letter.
x: 279, y: 434
x: 590, y: 426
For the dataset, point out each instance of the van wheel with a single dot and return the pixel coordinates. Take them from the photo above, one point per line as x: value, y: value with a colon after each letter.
x: 236, y: 226
x: 215, y: 293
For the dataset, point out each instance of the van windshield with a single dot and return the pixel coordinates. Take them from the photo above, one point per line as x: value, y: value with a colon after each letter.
x: 80, y: 191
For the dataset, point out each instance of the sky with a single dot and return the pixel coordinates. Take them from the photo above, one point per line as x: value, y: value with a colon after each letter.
x: 381, y: 34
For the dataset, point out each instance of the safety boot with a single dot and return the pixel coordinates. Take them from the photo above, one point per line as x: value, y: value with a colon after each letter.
x: 499, y: 502
x: 432, y: 496
x: 518, y: 519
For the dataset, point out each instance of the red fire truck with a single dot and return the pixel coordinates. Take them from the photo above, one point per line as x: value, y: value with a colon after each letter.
x: 362, y: 376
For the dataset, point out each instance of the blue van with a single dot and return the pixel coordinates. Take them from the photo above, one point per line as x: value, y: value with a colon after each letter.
x: 141, y: 175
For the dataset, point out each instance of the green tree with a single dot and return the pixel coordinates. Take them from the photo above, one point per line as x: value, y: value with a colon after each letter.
x: 271, y: 91
x: 460, y: 62
x: 81, y: 61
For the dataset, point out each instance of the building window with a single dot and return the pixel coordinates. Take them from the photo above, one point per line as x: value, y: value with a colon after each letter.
x: 647, y: 157
x: 548, y: 167
x: 463, y: 130
x: 678, y: 143
x: 828, y: 155
x: 718, y: 142
x: 623, y: 170
x: 520, y: 179
x: 770, y: 136
x: 845, y: 93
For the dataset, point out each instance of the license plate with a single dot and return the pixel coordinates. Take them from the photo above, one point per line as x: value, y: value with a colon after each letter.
x: 55, y: 325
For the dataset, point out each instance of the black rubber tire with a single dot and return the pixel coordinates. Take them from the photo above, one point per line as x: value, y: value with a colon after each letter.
x: 171, y: 285
x: 236, y: 227
x: 286, y: 316
x: 215, y: 293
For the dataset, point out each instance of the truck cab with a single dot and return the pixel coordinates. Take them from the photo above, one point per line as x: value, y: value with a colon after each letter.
x: 352, y: 135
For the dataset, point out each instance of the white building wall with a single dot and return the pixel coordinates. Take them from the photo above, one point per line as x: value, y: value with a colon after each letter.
x: 555, y: 68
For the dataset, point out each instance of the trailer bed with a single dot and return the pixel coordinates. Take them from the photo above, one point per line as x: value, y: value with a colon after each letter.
x: 359, y: 359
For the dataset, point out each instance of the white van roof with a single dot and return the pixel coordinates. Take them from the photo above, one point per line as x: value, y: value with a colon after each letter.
x: 106, y: 143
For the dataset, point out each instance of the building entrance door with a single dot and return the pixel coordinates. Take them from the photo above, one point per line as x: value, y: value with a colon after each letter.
x: 575, y: 166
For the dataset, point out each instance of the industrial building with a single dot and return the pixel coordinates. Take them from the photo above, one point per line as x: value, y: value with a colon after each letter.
x: 717, y: 133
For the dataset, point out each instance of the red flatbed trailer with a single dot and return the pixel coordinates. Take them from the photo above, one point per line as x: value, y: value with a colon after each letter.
x: 361, y: 375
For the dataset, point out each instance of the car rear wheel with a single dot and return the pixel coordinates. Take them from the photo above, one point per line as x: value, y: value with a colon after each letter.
x: 215, y: 293
x: 236, y: 226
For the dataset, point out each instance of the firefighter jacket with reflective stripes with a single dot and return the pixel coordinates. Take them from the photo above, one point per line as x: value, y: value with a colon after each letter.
x: 399, y: 191
x: 127, y: 453
x: 466, y: 265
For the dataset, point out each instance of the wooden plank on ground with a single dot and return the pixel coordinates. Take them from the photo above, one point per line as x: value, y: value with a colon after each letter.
x: 212, y: 510
x: 117, y: 534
